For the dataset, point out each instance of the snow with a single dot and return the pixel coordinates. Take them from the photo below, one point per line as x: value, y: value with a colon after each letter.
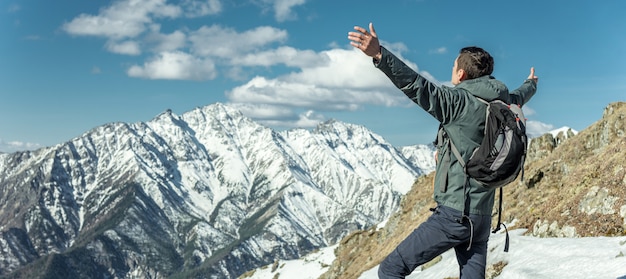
x: 310, y: 266
x: 528, y: 258
x: 533, y: 257
x: 564, y: 130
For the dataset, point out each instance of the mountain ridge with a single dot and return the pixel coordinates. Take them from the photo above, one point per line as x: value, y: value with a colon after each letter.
x: 209, y: 193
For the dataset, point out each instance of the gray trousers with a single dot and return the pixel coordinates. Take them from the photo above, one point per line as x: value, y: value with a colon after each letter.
x: 443, y: 230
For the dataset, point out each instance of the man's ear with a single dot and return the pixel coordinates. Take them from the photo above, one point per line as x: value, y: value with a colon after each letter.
x: 461, y: 74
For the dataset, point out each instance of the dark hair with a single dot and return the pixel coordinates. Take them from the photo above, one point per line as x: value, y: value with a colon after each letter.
x: 475, y: 61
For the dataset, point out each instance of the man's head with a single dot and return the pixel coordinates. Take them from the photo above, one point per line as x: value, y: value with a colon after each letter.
x: 472, y: 62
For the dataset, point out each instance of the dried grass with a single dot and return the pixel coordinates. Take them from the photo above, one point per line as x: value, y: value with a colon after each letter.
x: 556, y: 180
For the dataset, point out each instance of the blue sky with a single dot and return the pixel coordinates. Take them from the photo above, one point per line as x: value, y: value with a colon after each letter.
x: 71, y: 65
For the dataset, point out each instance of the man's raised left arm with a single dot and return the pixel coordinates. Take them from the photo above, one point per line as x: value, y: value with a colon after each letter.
x: 526, y: 91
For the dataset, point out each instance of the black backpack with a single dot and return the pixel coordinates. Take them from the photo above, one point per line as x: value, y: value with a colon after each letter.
x: 500, y: 157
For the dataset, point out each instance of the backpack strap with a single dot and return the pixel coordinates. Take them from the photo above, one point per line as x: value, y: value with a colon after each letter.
x: 506, y: 239
x: 445, y: 160
x: 481, y: 99
x: 441, y: 134
x: 466, y: 186
x: 457, y: 154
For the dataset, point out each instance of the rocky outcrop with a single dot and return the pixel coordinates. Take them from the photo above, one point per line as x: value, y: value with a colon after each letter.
x: 574, y: 186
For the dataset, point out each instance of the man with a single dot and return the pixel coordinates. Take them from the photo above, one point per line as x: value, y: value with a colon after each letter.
x: 462, y: 218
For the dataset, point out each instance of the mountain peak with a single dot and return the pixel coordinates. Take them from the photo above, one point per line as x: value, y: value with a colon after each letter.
x: 166, y: 115
x: 616, y: 108
x: 219, y: 112
x: 222, y: 108
x: 208, y: 192
x: 359, y: 134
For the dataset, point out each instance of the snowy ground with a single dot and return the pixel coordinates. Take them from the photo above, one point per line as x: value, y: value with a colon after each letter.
x: 528, y: 257
x: 309, y: 267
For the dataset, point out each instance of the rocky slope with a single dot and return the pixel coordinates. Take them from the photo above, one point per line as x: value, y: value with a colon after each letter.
x: 573, y: 186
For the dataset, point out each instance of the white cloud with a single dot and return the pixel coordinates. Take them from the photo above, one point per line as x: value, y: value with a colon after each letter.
x: 165, y: 42
x: 123, y: 19
x: 440, y: 50
x: 226, y: 42
x: 131, y: 27
x: 283, y: 9
x: 536, y: 128
x: 398, y: 49
x: 14, y: 146
x: 331, y: 80
x: 175, y: 65
x: 264, y: 111
x: 306, y: 119
x: 261, y: 90
x: 194, y: 8
x: 124, y: 47
x: 345, y: 80
x: 311, y: 96
x: 129, y: 19
x: 528, y: 110
x: 347, y: 68
x: 283, y: 55
x: 236, y: 73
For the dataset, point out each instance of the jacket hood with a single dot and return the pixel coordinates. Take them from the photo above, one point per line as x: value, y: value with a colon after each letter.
x: 486, y: 88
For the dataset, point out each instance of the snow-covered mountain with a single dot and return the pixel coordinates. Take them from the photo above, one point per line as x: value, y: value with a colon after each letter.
x: 206, y: 194
x: 564, y: 131
x: 422, y: 155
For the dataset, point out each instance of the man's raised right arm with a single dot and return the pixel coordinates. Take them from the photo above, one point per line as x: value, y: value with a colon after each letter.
x: 433, y: 99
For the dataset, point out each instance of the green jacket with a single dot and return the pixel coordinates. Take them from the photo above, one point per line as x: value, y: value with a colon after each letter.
x: 463, y: 117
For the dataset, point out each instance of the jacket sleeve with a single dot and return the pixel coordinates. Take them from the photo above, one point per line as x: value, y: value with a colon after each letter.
x: 436, y: 100
x: 523, y: 94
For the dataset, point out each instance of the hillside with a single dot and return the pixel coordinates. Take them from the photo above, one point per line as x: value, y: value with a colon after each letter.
x: 573, y: 186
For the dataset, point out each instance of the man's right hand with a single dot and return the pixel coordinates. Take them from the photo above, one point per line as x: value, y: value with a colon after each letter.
x: 532, y: 75
x: 366, y: 41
